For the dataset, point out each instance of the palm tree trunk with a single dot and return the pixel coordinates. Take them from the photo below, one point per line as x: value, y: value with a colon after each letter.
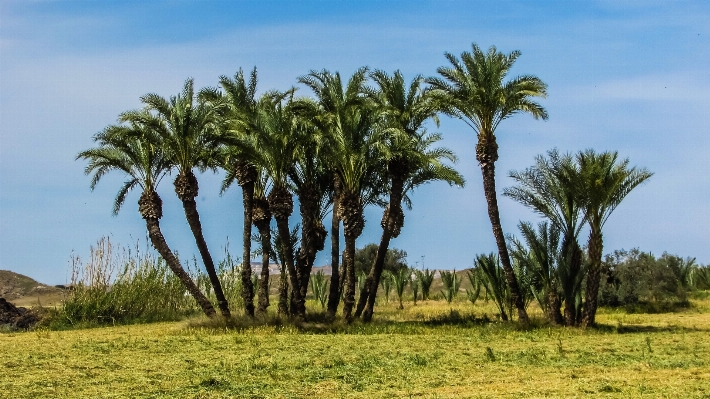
x: 264, y: 278
x: 312, y: 236
x: 193, y: 219
x: 351, y: 211
x: 283, y: 293
x: 554, y: 304
x: 349, y: 265
x: 368, y: 294
x: 285, y: 234
x: 392, y: 222
x: 594, y: 275
x: 487, y: 154
x: 281, y: 205
x: 247, y: 286
x: 334, y: 292
x: 150, y: 207
x: 575, y: 265
x: 186, y: 188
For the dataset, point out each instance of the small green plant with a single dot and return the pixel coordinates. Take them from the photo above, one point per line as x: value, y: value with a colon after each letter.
x: 493, y: 278
x: 401, y: 278
x: 361, y: 277
x: 319, y: 286
x: 416, y: 286
x: 490, y: 356
x: 426, y: 278
x: 386, y: 283
x: 475, y: 291
x: 452, y: 283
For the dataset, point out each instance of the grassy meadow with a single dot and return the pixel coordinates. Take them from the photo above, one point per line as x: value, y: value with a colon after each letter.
x: 431, y: 350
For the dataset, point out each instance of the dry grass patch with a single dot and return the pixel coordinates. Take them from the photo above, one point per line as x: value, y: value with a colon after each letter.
x: 662, y: 355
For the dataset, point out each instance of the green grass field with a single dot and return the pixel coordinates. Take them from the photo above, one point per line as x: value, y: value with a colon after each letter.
x: 424, y: 351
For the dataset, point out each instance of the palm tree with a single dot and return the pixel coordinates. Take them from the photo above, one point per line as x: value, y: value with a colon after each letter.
x: 473, y: 90
x: 404, y: 110
x: 603, y: 182
x: 188, y: 132
x: 134, y: 149
x: 312, y: 181
x: 277, y: 146
x: 261, y: 216
x: 549, y: 188
x: 541, y: 260
x: 238, y: 108
x: 345, y: 115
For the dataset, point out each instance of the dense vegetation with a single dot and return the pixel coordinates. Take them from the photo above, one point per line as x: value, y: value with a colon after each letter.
x: 361, y: 142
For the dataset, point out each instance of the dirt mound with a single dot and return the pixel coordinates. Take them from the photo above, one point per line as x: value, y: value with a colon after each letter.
x: 15, y: 318
x: 22, y: 290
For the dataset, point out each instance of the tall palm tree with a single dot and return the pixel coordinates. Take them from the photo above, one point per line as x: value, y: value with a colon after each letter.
x: 404, y: 110
x: 312, y: 181
x: 188, y: 130
x: 276, y: 133
x: 549, y: 188
x: 603, y: 182
x: 134, y: 149
x: 238, y: 107
x: 262, y: 221
x: 473, y: 89
x: 345, y: 115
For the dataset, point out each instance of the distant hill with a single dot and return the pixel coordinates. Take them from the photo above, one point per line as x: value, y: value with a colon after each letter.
x: 25, y: 291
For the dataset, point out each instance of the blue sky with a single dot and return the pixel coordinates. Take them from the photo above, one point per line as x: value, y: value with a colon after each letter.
x: 627, y: 76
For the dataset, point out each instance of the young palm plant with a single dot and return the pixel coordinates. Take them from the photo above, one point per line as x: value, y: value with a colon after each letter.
x: 540, y: 256
x: 426, y: 278
x: 452, y: 284
x: 134, y: 149
x: 549, y: 189
x: 473, y: 90
x: 188, y: 129
x: 319, y: 287
x: 474, y: 278
x: 603, y: 182
x: 411, y: 161
x: 401, y: 278
x: 494, y: 280
x: 386, y: 283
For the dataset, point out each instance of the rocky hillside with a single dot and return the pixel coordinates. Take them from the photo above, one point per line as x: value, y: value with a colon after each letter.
x: 22, y: 290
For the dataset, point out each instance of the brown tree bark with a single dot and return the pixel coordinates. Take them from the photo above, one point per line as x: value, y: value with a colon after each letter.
x: 334, y: 291
x: 262, y: 221
x: 351, y: 211
x: 487, y: 154
x: 571, y: 249
x: 392, y: 222
x: 247, y: 286
x: 187, y: 188
x: 593, y: 277
x: 281, y: 205
x: 313, y: 235
x: 349, y: 265
x: 554, y: 304
x: 150, y: 206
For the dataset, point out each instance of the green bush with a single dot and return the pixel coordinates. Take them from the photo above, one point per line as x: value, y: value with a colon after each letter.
x: 124, y: 286
x: 635, y: 277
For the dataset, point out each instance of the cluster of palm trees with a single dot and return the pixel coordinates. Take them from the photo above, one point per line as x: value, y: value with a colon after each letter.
x: 570, y: 191
x: 350, y: 145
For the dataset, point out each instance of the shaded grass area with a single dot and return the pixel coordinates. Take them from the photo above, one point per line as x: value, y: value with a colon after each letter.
x: 430, y: 350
